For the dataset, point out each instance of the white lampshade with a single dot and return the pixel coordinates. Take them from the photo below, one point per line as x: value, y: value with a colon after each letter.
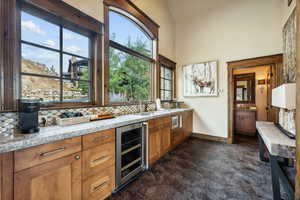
x: 284, y: 96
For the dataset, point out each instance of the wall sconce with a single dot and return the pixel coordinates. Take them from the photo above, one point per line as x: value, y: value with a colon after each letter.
x: 261, y: 84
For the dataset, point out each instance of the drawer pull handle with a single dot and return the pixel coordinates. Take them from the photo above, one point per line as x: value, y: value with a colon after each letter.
x: 101, y: 138
x: 50, y: 153
x: 101, y: 159
x: 99, y: 187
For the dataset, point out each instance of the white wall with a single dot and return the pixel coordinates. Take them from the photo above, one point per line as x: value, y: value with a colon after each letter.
x: 223, y: 30
x: 156, y: 9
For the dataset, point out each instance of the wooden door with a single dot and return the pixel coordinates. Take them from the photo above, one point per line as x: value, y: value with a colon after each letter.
x: 55, y: 180
x: 154, y: 144
x: 6, y: 176
x: 165, y: 133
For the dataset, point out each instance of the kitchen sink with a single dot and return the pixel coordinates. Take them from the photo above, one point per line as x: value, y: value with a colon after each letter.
x: 146, y: 113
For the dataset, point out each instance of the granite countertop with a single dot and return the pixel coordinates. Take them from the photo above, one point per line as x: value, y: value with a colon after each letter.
x: 277, y: 143
x: 55, y: 133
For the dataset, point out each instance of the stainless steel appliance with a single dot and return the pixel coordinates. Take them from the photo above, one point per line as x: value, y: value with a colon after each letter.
x: 131, y: 153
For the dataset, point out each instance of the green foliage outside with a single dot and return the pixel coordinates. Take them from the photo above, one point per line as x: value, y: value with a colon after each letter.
x: 129, y: 75
x: 84, y: 86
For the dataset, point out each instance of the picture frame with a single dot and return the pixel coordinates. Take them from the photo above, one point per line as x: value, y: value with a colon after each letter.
x: 201, y: 79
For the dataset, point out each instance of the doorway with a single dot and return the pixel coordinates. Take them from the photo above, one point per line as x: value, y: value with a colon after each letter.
x: 250, y: 84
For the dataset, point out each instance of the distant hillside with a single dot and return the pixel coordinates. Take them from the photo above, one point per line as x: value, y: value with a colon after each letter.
x: 46, y: 89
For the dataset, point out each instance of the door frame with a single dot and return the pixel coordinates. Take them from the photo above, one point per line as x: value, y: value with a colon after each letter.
x: 275, y: 60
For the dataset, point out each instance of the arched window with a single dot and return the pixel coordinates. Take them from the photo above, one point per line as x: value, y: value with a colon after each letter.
x: 130, y: 54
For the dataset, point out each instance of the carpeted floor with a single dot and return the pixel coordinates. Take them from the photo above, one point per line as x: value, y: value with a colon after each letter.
x: 204, y: 170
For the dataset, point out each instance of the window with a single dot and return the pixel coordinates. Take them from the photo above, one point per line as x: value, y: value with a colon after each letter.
x: 130, y: 49
x: 55, y: 61
x: 167, y: 79
x: 130, y: 60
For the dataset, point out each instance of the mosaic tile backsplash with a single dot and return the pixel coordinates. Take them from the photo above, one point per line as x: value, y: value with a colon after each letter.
x: 9, y: 121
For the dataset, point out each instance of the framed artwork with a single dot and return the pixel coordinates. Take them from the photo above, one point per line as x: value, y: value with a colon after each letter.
x: 201, y: 80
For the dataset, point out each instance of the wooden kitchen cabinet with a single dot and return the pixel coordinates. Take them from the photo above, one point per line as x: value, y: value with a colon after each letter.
x: 154, y: 145
x: 179, y: 135
x: 6, y: 176
x: 159, y: 138
x: 59, y: 179
x: 100, y: 185
x: 99, y: 165
x: 187, y: 124
x: 31, y: 157
x: 165, y: 132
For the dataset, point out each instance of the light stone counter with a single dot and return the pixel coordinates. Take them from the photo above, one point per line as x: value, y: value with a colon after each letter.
x: 277, y: 143
x: 55, y: 133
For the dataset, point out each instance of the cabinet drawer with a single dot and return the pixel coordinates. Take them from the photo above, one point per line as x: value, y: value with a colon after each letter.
x: 99, y: 186
x: 159, y: 122
x: 27, y: 158
x: 98, y: 138
x: 97, y: 159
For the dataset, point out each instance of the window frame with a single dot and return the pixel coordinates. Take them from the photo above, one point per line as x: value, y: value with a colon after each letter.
x: 167, y: 63
x: 65, y: 16
x: 147, y: 25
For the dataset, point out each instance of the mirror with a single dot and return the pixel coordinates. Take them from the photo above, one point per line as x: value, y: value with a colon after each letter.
x: 244, y: 88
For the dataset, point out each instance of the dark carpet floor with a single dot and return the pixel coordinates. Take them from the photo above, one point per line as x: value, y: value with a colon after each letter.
x: 204, y: 170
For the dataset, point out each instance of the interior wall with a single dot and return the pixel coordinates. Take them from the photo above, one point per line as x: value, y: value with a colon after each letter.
x: 223, y: 31
x: 156, y: 9
x: 261, y: 92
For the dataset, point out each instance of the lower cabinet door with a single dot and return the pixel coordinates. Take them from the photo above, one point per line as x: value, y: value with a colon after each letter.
x: 55, y: 180
x: 165, y: 140
x: 154, y: 145
x: 187, y: 122
x: 100, y: 185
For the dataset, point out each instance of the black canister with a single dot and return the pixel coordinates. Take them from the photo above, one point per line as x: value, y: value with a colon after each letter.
x: 29, y: 116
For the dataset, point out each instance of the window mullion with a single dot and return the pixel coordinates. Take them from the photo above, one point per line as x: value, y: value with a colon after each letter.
x: 61, y: 61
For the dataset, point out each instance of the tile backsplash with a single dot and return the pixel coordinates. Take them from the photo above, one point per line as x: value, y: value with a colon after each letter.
x: 9, y: 121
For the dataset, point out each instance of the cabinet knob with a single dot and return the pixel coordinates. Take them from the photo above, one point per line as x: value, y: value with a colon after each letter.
x: 77, y: 157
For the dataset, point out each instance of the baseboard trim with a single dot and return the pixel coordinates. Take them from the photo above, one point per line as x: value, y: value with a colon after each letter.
x: 209, y: 137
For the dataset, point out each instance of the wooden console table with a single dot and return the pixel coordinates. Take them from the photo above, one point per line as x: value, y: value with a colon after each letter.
x: 280, y: 148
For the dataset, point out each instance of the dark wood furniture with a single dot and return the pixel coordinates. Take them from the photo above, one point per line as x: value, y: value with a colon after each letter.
x: 244, y: 121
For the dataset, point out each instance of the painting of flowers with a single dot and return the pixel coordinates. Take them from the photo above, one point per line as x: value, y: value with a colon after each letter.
x: 201, y: 79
